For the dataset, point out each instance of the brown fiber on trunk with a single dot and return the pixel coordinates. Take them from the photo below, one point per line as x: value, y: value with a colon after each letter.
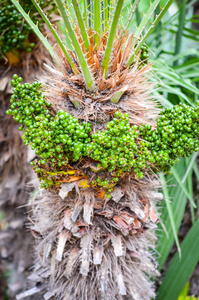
x: 87, y: 245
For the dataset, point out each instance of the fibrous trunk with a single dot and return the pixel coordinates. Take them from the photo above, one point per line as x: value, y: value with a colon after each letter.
x: 94, y: 248
x: 91, y: 244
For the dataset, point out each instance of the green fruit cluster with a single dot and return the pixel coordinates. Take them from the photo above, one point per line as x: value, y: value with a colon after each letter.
x: 144, y: 54
x: 119, y: 147
x: 176, y: 135
x: 107, y: 184
x: 56, y: 139
x: 14, y: 31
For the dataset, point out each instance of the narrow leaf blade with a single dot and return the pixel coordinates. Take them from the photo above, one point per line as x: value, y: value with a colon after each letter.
x: 180, y: 270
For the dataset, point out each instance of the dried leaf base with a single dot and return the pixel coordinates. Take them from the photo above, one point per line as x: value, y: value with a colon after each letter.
x: 93, y: 248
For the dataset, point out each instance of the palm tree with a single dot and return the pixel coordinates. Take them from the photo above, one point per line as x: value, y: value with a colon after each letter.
x: 99, y: 146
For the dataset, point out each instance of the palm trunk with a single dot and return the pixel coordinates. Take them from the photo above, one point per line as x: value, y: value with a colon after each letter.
x: 89, y: 248
x: 90, y: 245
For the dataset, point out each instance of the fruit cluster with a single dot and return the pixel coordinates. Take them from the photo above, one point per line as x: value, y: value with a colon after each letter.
x: 118, y: 148
x: 59, y: 139
x: 144, y: 55
x: 123, y: 147
x: 176, y: 135
x: 14, y: 31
